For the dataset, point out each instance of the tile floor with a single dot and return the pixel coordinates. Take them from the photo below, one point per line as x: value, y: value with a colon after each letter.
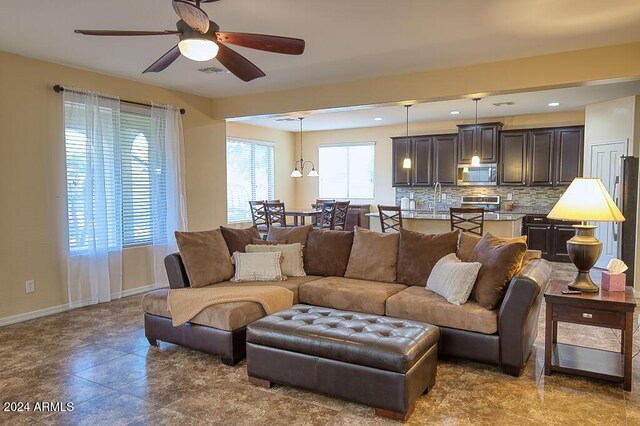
x: 98, y: 358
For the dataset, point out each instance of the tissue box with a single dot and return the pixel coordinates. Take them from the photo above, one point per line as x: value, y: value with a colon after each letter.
x: 613, y: 282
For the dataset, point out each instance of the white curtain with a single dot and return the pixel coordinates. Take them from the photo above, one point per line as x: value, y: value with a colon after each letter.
x: 92, y: 139
x: 168, y: 186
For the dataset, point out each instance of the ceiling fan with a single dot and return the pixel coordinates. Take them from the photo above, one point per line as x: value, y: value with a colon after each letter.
x: 201, y: 40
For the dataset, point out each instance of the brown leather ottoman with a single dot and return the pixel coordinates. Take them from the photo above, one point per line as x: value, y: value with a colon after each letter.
x: 383, y: 362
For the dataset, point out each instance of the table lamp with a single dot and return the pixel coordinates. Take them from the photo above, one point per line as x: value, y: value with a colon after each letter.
x: 586, y: 199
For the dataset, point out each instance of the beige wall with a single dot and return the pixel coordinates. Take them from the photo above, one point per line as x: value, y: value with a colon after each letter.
x: 284, y: 155
x: 307, y: 190
x: 32, y: 177
x: 616, y: 120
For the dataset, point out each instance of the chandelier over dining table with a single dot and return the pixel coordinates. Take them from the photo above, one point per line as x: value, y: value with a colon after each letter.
x: 298, y: 170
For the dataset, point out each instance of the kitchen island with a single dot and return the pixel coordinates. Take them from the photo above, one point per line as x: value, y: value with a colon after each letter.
x: 498, y: 224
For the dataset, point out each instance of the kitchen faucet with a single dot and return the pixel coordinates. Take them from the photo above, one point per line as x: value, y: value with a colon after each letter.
x: 437, y: 196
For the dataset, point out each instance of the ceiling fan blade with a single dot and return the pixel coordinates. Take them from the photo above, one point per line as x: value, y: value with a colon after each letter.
x: 270, y: 43
x: 164, y: 61
x: 125, y: 33
x: 240, y: 66
x: 195, y: 17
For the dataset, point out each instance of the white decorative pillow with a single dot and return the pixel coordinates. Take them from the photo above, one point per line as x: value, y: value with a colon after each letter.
x: 292, y: 263
x: 257, y: 267
x: 453, y: 279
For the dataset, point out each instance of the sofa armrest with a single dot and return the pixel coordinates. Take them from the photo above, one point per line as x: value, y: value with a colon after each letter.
x: 175, y: 271
x: 519, y: 314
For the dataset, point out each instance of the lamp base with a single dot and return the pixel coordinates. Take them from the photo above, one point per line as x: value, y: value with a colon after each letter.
x: 584, y: 250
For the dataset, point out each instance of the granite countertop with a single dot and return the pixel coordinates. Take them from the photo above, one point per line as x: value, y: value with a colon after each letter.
x: 428, y: 215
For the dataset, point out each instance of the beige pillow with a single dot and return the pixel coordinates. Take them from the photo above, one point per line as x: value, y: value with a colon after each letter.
x: 453, y: 279
x: 205, y: 257
x: 374, y: 256
x: 292, y: 264
x: 257, y: 267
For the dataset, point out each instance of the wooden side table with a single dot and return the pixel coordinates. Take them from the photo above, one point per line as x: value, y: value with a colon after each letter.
x: 603, y: 309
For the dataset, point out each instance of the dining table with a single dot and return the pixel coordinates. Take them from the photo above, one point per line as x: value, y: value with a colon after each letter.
x: 299, y: 215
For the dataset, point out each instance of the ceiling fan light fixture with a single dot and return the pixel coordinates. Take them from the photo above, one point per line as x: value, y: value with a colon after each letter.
x: 198, y: 49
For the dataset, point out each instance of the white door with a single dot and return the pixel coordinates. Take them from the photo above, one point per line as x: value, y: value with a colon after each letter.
x: 605, y: 164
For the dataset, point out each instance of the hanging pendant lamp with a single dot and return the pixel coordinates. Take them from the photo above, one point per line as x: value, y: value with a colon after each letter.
x: 298, y: 170
x: 475, y: 160
x: 406, y: 163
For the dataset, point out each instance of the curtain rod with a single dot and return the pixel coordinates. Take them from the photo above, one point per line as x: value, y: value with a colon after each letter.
x: 58, y: 89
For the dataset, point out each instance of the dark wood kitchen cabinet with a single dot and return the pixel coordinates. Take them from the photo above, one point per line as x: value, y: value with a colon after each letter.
x: 541, y: 156
x: 512, y: 164
x: 569, y: 147
x: 549, y: 236
x: 481, y: 139
x: 433, y: 159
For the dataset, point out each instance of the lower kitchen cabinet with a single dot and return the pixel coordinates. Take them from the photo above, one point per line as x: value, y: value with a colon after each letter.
x: 549, y: 236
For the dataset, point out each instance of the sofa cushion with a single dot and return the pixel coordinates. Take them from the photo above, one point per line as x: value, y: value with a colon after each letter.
x: 418, y: 253
x: 453, y: 279
x: 374, y: 256
x: 205, y: 257
x: 327, y: 252
x: 238, y: 238
x: 467, y: 242
x: 224, y: 316
x: 500, y: 261
x: 419, y: 304
x: 349, y: 294
x: 291, y: 261
x: 293, y: 234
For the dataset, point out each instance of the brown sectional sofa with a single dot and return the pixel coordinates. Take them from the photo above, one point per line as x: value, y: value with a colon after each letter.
x: 503, y: 336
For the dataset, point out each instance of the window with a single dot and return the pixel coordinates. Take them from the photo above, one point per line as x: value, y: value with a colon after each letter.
x: 135, y: 182
x: 346, y: 170
x: 250, y: 166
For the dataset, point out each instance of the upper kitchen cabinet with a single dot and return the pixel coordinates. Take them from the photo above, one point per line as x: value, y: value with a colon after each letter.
x: 512, y: 167
x: 433, y: 159
x: 569, y: 154
x: 445, y: 161
x: 401, y: 149
x: 481, y: 140
x: 541, y: 157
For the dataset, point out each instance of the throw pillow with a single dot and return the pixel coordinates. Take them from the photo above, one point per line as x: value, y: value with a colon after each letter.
x: 238, y: 238
x: 292, y: 264
x: 453, y: 279
x: 293, y: 234
x: 257, y: 267
x: 327, y: 252
x: 418, y: 253
x: 205, y: 257
x: 467, y: 242
x: 500, y: 261
x: 374, y: 256
x: 263, y: 242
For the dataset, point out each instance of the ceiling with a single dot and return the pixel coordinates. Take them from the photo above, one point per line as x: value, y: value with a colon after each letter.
x: 346, y: 40
x: 570, y: 99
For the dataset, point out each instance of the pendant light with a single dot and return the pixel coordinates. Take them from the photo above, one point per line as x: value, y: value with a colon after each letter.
x: 475, y: 160
x: 406, y: 163
x: 298, y: 170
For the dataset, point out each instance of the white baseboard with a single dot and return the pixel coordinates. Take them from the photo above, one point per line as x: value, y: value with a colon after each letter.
x: 63, y: 308
x: 33, y: 315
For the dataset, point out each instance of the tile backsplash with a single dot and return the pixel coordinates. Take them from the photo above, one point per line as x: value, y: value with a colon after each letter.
x: 534, y: 199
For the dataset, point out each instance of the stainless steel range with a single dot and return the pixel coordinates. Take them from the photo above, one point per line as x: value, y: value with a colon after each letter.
x: 487, y: 202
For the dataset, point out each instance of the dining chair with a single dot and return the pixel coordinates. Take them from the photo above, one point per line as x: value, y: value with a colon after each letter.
x: 275, y: 214
x: 390, y: 218
x: 320, y: 201
x: 342, y: 210
x: 469, y: 219
x: 258, y: 216
x: 327, y: 217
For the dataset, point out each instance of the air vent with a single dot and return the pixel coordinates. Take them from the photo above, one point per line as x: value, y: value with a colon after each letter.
x: 508, y: 103
x: 286, y: 119
x: 213, y: 70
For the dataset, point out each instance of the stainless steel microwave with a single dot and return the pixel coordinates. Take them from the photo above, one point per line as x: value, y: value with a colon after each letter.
x: 483, y: 174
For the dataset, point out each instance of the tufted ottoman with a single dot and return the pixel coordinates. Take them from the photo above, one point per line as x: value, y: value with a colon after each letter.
x: 383, y: 362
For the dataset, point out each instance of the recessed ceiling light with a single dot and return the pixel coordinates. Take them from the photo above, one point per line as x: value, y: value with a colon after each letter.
x: 552, y: 104
x: 378, y: 119
x: 454, y: 112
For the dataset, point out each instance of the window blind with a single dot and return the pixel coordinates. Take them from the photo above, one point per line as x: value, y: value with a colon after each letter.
x: 250, y: 176
x: 346, y: 170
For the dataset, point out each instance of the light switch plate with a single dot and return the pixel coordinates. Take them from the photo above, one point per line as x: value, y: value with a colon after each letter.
x: 509, y: 196
x: 30, y: 286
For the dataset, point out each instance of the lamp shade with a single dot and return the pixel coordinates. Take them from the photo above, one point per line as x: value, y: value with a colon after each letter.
x: 295, y: 173
x: 586, y: 199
